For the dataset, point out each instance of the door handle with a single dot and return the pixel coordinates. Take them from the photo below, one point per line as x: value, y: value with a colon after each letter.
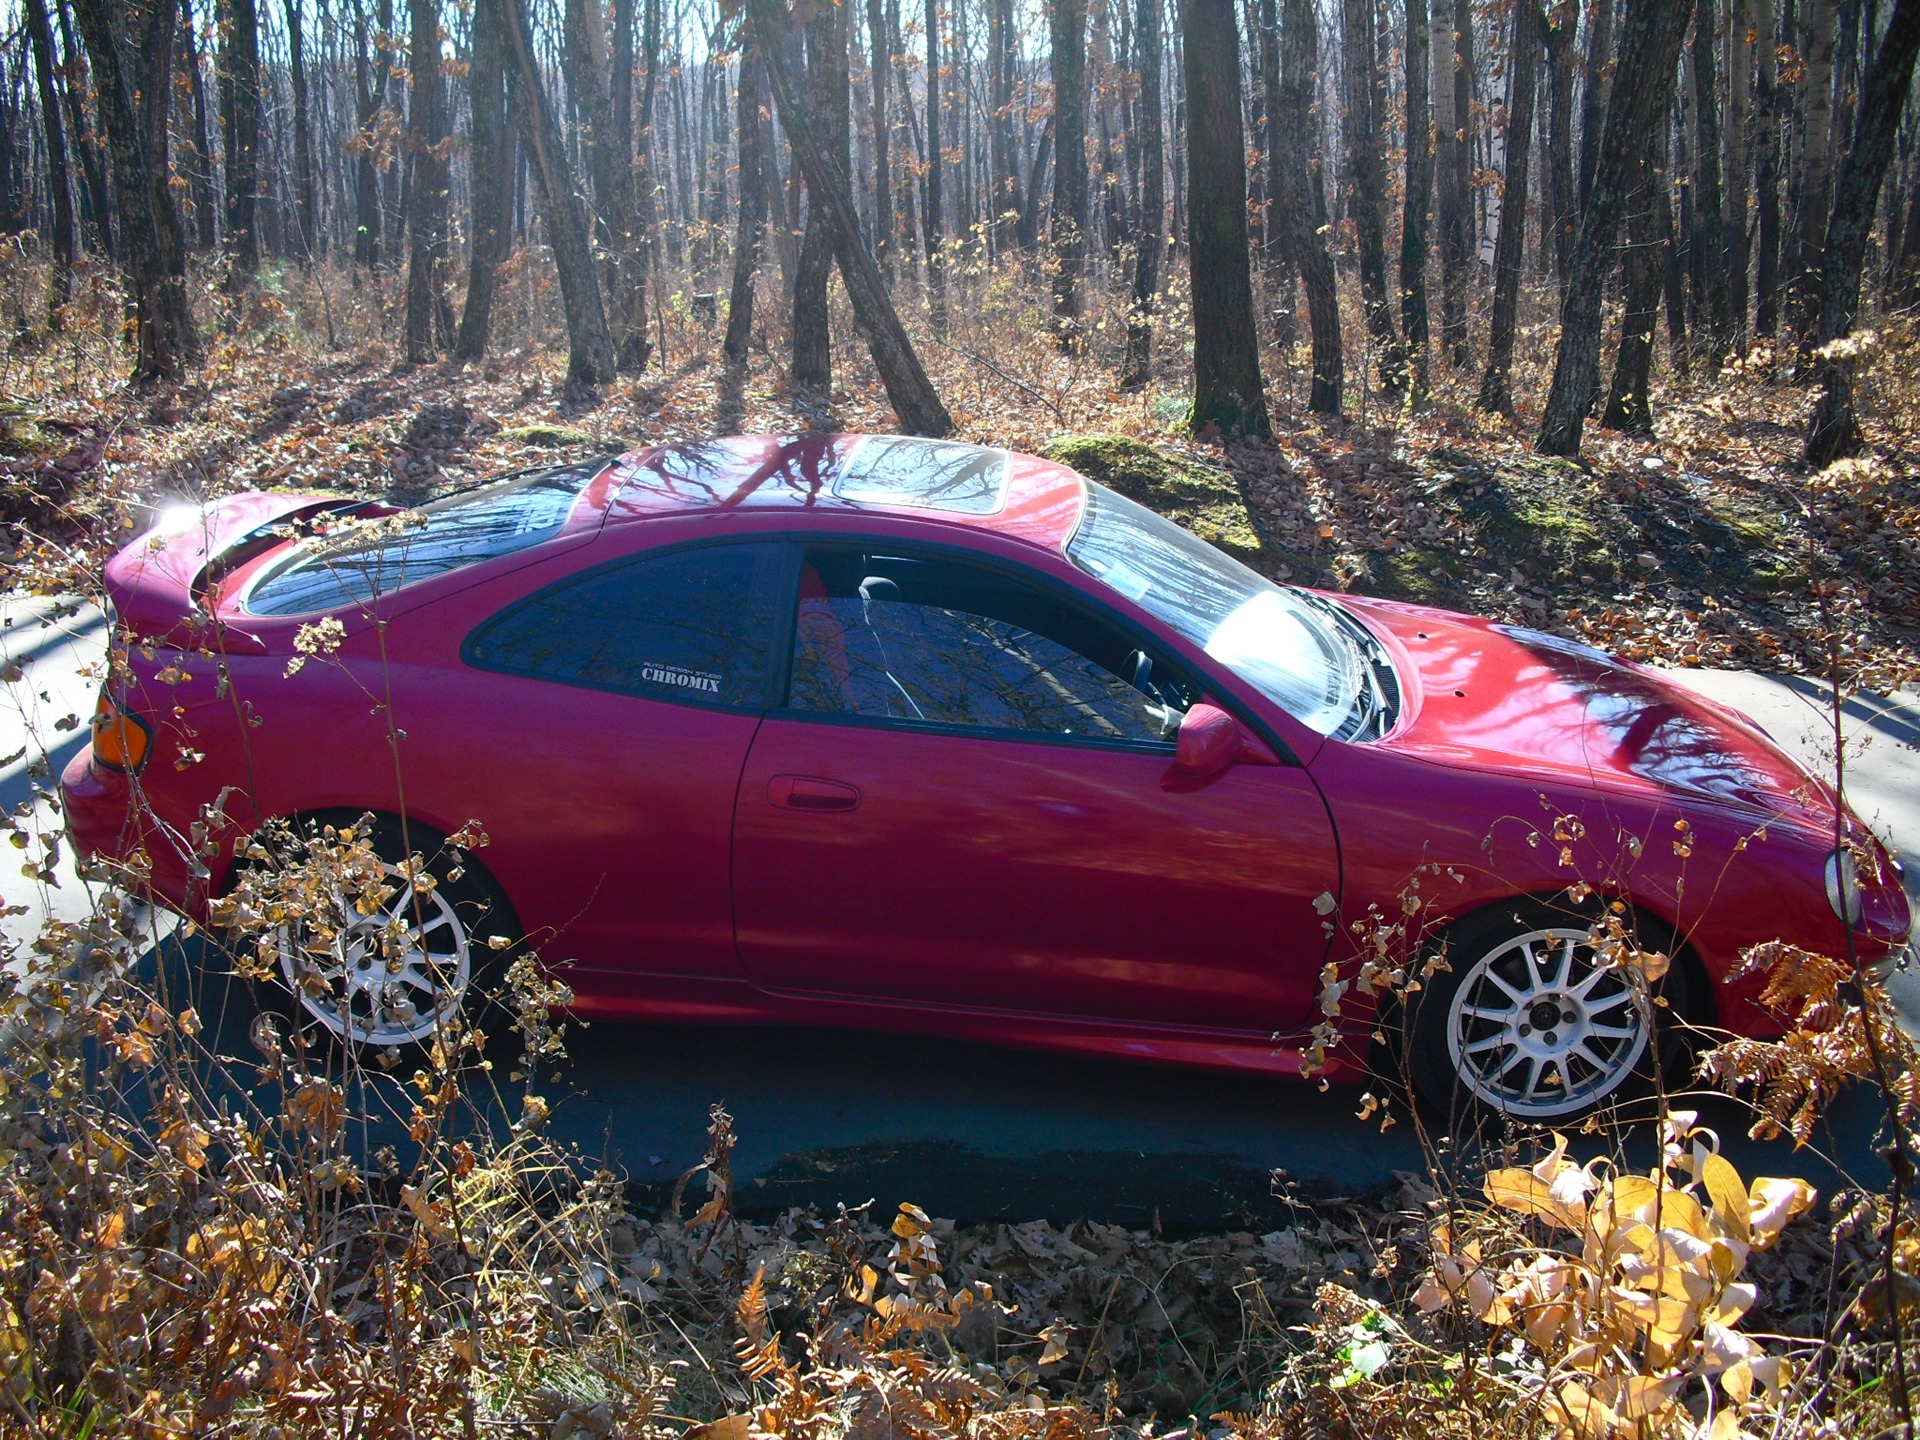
x: 806, y: 792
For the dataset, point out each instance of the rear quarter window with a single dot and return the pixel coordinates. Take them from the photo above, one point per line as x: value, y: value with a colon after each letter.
x: 693, y: 626
x: 357, y: 565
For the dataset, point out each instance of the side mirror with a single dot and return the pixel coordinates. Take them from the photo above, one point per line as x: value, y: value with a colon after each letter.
x: 1210, y: 743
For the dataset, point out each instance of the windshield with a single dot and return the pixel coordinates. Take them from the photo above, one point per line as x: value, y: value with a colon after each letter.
x: 1305, y: 654
x: 377, y: 557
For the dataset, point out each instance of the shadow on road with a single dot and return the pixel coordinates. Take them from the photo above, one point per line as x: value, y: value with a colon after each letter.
x: 964, y: 1131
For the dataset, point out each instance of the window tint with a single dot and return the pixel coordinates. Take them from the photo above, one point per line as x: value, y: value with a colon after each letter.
x: 946, y: 643
x: 352, y: 566
x: 695, y: 625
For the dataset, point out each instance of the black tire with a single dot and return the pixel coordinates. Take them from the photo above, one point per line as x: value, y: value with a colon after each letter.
x: 363, y: 986
x: 1481, y: 1045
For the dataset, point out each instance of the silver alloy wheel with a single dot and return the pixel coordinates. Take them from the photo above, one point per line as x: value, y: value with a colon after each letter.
x: 382, y: 981
x: 1537, y: 1030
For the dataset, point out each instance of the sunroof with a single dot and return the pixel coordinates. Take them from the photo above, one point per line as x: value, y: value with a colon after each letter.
x: 929, y: 474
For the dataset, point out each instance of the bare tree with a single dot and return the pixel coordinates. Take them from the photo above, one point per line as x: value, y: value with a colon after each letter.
x: 1815, y: 177
x: 240, y: 131
x: 1629, y: 399
x: 1453, y: 163
x: 1419, y: 194
x: 1766, y: 274
x: 1069, y: 228
x: 1714, y: 333
x: 1834, y: 430
x: 130, y: 45
x: 590, y: 355
x: 1302, y: 240
x: 830, y: 98
x: 1149, y: 53
x: 1227, y: 389
x: 305, y: 201
x: 915, y: 401
x: 429, y: 183
x: 1523, y: 73
x: 65, y: 243
x: 1562, y: 193
x: 752, y: 128
x: 491, y: 164
x: 1649, y: 50
x: 1366, y: 192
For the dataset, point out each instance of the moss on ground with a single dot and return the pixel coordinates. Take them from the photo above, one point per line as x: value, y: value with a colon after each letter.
x: 547, y: 436
x: 1205, y: 500
x: 1555, y: 521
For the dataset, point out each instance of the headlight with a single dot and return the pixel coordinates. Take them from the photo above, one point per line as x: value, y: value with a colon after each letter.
x: 1843, y: 888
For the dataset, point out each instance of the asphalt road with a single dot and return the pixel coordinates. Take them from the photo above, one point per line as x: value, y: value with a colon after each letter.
x: 965, y: 1131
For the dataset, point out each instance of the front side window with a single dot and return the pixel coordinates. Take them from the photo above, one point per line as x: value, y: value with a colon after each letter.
x: 694, y: 626
x: 942, y: 642
x: 377, y: 557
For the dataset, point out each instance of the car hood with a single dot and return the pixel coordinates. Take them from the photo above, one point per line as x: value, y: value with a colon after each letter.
x: 1491, y: 695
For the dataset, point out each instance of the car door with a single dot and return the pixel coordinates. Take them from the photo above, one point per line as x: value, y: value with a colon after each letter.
x: 607, y: 719
x: 962, y: 803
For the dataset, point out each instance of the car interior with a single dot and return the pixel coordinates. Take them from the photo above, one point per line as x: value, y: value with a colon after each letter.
x: 944, y: 642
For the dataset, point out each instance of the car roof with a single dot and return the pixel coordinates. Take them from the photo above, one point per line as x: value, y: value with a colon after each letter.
x: 1019, y: 496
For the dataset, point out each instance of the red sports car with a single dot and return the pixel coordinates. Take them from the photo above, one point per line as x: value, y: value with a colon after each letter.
x: 882, y: 732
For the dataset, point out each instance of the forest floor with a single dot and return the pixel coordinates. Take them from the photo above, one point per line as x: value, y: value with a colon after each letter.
x: 1698, y: 545
x: 1705, y: 544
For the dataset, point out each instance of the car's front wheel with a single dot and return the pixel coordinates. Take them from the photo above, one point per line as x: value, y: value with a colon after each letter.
x: 1530, y: 1022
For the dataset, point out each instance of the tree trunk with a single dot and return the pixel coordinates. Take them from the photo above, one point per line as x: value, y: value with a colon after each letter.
x: 1714, y: 334
x: 1069, y: 228
x: 1766, y: 275
x: 429, y: 183
x: 1305, y: 247
x: 1523, y: 67
x: 1227, y: 390
x: 590, y: 355
x: 1004, y: 163
x: 609, y: 164
x: 1817, y: 88
x: 1740, y: 61
x: 370, y: 90
x: 64, y: 247
x: 1366, y: 186
x: 1596, y: 82
x: 1649, y: 50
x: 240, y: 131
x: 491, y: 160
x: 880, y: 63
x: 1834, y: 430
x: 130, y: 70
x: 933, y: 227
x: 98, y: 211
x: 1413, y: 220
x: 1672, y: 281
x: 305, y: 202
x: 1629, y: 406
x: 914, y: 399
x: 632, y: 208
x: 1563, y: 199
x: 830, y: 100
x: 1453, y: 159
x: 750, y: 232
x: 199, y: 167
x: 1149, y: 48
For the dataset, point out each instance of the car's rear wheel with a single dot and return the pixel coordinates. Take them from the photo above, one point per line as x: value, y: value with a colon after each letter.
x: 396, y: 956
x: 1530, y: 1023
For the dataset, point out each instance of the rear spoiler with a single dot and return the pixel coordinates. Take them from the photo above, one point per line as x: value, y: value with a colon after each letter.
x: 159, y: 585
